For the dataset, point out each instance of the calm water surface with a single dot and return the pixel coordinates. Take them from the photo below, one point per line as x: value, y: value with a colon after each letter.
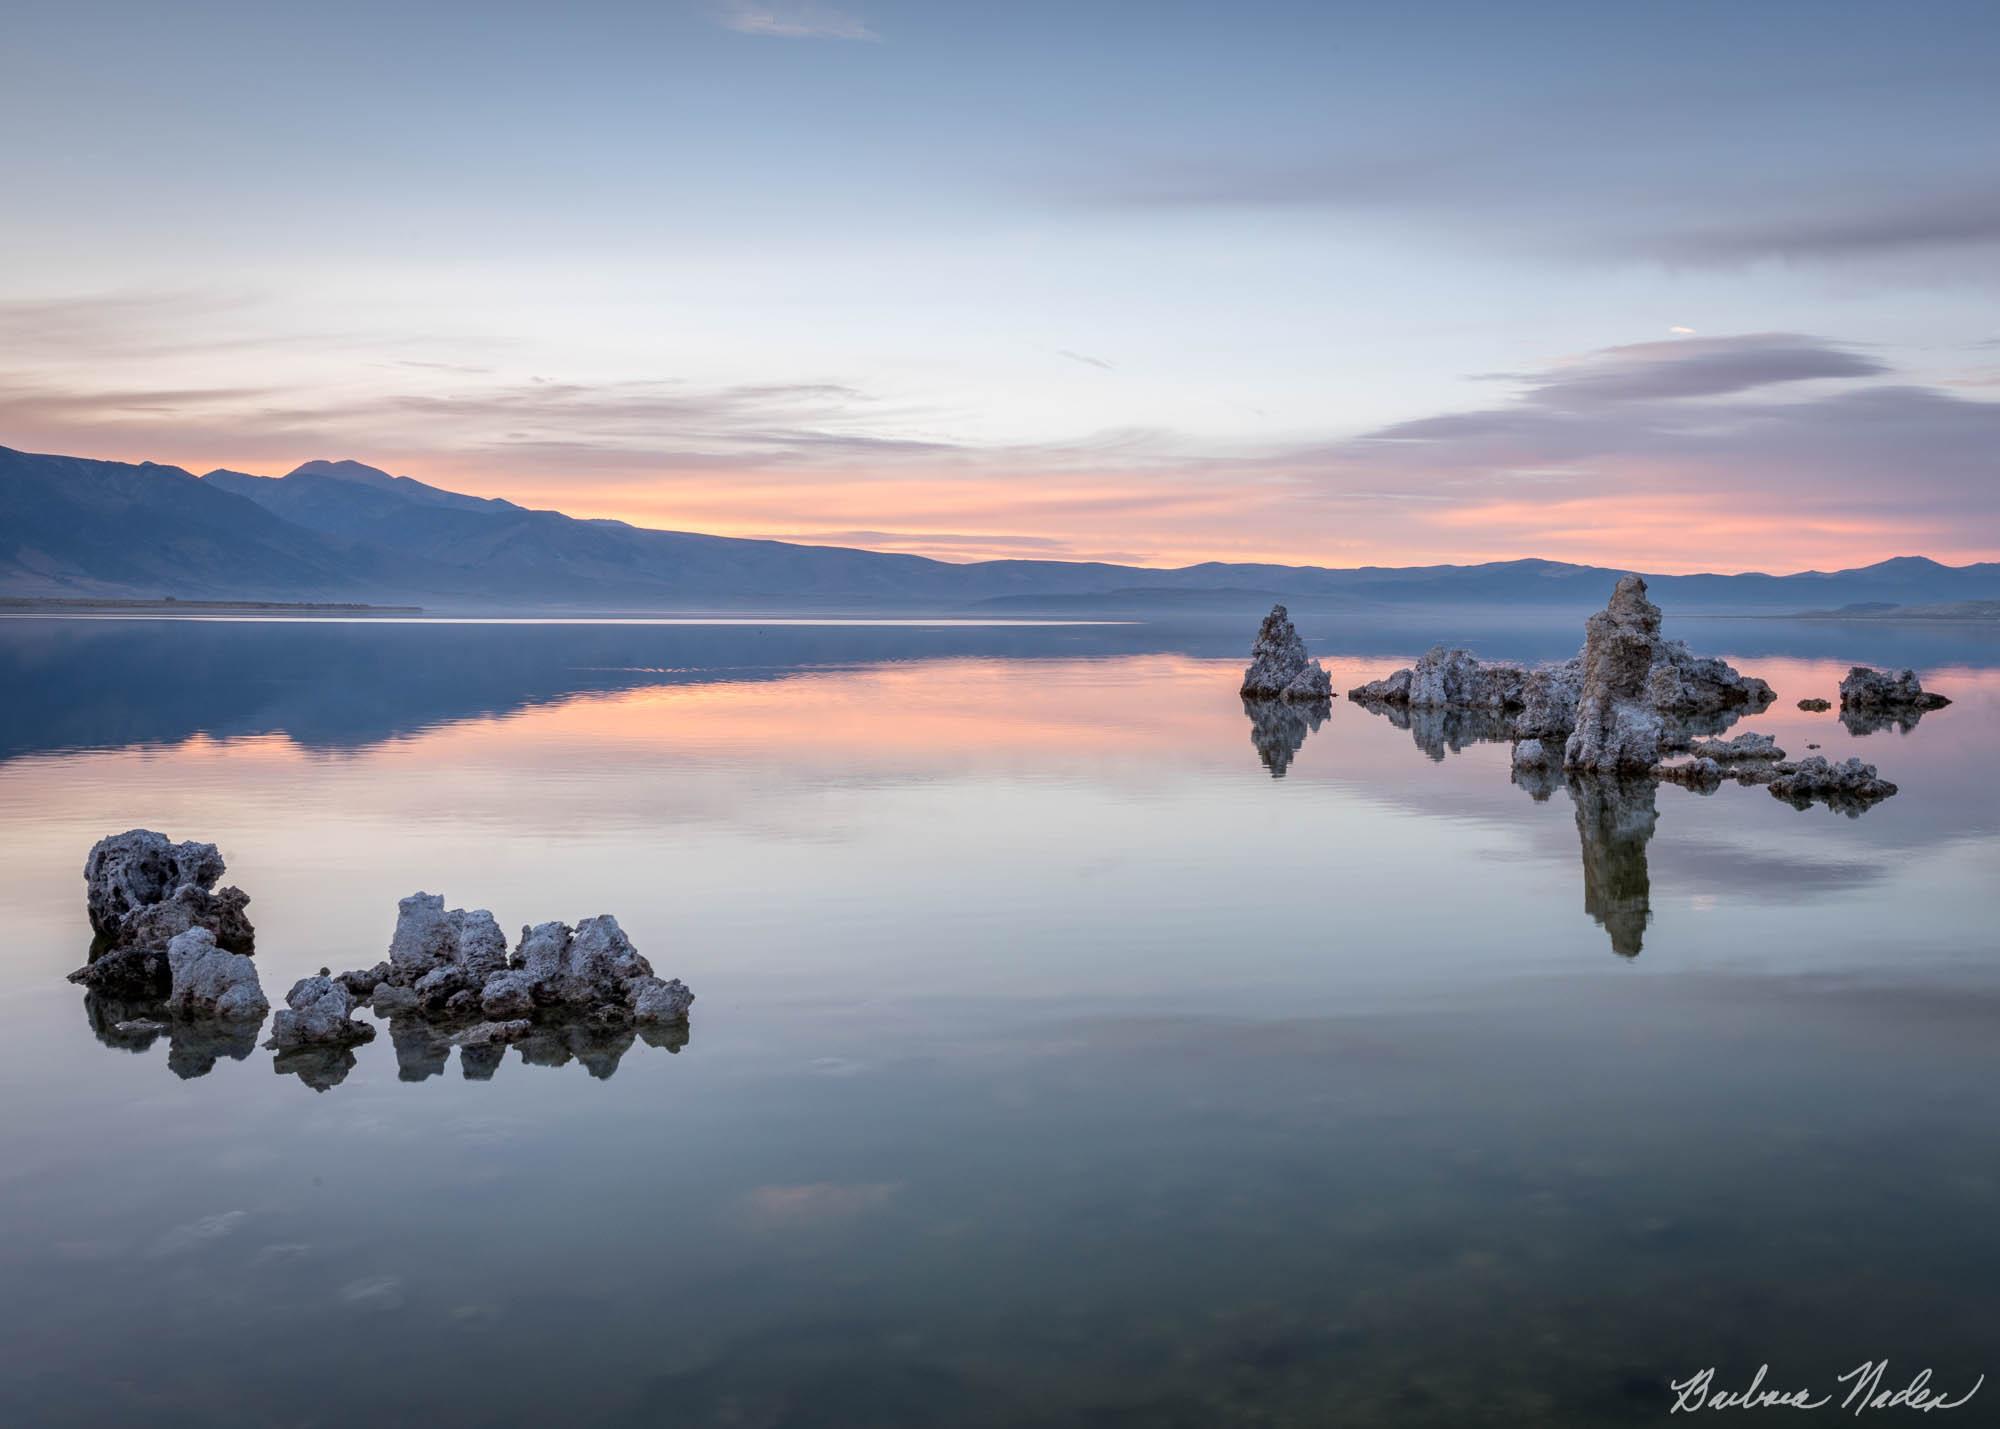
x: 1053, y: 1062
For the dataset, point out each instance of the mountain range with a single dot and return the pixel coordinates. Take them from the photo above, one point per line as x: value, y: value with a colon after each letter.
x: 341, y: 530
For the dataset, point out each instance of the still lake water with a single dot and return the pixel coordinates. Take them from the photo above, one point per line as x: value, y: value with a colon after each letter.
x: 1052, y: 1062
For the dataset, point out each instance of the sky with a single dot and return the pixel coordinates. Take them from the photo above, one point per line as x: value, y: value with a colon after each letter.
x: 1678, y: 287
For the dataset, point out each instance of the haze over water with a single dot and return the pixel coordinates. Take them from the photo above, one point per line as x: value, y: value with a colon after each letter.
x: 1052, y: 1062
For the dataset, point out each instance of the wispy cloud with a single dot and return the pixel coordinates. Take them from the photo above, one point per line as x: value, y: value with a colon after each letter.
x: 797, y: 21
x: 1882, y: 224
x: 1086, y: 359
x: 1694, y: 367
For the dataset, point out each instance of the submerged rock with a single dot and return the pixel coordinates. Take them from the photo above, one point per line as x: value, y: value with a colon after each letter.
x: 1617, y: 728
x: 138, y: 868
x: 1867, y: 689
x: 131, y: 973
x: 1280, y: 668
x: 318, y: 1012
x: 1532, y: 754
x: 208, y: 981
x: 1701, y: 774
x: 1848, y: 787
x: 486, y: 1033
x: 1746, y: 746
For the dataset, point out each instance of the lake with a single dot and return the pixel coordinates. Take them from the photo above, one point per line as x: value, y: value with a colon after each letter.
x: 1053, y: 1062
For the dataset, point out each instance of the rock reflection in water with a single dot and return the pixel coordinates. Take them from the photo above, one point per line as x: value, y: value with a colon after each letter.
x: 1861, y: 720
x: 1614, y: 820
x: 1441, y: 729
x: 320, y: 1068
x: 194, y: 1044
x: 1278, y: 728
x: 424, y: 1046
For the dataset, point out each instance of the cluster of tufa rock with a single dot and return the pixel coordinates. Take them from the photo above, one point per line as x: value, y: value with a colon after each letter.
x: 1847, y: 787
x: 165, y: 933
x: 454, y: 966
x: 1625, y: 699
x: 1874, y: 700
x: 1280, y: 668
x: 1866, y: 689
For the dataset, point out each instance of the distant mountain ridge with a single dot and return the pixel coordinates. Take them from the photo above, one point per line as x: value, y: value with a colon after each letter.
x: 342, y: 530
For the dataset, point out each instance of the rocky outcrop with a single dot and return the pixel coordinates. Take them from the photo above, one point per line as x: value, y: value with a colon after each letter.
x: 1866, y: 689
x: 1618, y: 731
x: 192, y: 906
x: 1848, y: 787
x: 453, y: 967
x: 1699, y: 692
x: 319, y: 1012
x: 142, y: 891
x: 1280, y: 668
x: 1872, y: 701
x: 207, y: 981
x: 1549, y: 697
x: 1746, y: 747
x: 1448, y: 678
x: 1816, y: 705
x: 1650, y: 695
x: 138, y: 868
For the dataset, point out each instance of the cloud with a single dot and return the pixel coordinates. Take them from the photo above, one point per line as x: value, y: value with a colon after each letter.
x: 796, y: 21
x: 1532, y: 187
x: 1085, y: 358
x: 1696, y: 367
x: 1887, y: 223
x: 1687, y: 444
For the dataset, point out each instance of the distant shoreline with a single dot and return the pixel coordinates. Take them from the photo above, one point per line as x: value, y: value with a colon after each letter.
x: 36, y: 605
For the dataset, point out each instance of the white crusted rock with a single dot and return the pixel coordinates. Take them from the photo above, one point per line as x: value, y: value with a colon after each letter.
x: 1280, y: 668
x: 209, y: 982
x: 318, y: 1012
x: 1849, y: 786
x: 427, y: 938
x: 1617, y: 728
x: 126, y: 872
x: 508, y: 995
x: 658, y: 1003
x: 1868, y: 689
x: 1748, y: 746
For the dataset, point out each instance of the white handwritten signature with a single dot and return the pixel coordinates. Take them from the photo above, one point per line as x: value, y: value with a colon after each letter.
x: 1864, y: 1392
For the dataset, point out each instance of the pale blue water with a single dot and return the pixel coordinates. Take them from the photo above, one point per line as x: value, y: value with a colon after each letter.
x: 1052, y: 1062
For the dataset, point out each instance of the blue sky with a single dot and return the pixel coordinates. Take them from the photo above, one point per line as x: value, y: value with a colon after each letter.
x: 1158, y: 281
